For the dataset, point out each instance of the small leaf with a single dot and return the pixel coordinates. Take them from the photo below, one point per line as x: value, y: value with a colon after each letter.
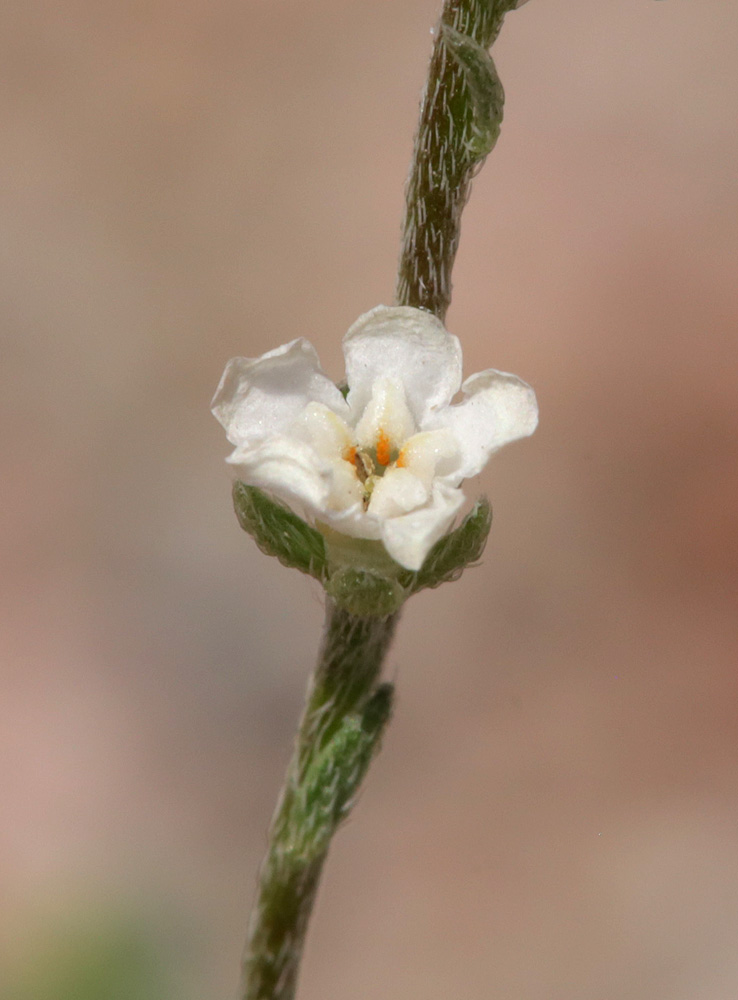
x: 278, y: 531
x: 485, y: 89
x: 451, y: 554
x: 331, y: 781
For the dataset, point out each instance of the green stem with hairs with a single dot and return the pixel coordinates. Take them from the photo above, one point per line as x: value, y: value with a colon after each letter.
x: 347, y: 706
x: 346, y: 712
x: 460, y: 119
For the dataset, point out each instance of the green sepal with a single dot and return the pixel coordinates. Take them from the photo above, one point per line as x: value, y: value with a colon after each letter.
x: 484, y: 87
x: 357, y: 573
x: 332, y: 779
x: 278, y: 531
x: 453, y: 553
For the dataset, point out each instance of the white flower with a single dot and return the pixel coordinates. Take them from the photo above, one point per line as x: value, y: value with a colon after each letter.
x: 387, y: 461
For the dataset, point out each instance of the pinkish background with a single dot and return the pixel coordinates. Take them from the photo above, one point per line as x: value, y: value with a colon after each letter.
x: 554, y: 815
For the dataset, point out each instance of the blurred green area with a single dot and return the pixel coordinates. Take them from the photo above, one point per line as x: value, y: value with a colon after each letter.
x: 110, y: 958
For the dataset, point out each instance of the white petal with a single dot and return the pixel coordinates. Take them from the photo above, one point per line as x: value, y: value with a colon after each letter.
x: 387, y: 415
x: 397, y: 492
x: 409, y: 538
x: 289, y: 469
x: 498, y: 408
x: 354, y: 521
x: 429, y: 454
x: 346, y: 489
x: 332, y: 439
x: 324, y: 430
x: 260, y: 397
x: 406, y: 344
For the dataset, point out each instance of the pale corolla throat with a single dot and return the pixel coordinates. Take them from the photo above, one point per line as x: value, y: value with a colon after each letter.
x: 372, y: 463
x: 382, y: 464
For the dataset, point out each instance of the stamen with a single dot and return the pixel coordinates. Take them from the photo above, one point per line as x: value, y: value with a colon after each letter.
x: 369, y: 485
x: 383, y: 449
x: 364, y: 467
x: 361, y: 462
x: 401, y: 460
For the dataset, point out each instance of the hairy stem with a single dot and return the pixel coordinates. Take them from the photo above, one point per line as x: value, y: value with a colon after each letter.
x: 345, y: 714
x: 460, y: 117
x: 347, y: 707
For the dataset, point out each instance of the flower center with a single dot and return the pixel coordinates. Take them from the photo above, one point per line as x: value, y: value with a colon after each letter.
x: 370, y: 464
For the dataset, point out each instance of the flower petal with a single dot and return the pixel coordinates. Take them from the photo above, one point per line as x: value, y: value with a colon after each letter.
x: 328, y: 433
x: 409, y: 345
x: 498, y: 408
x: 397, y: 492
x: 430, y: 454
x: 260, y: 397
x: 289, y: 469
x: 353, y: 521
x: 346, y: 489
x: 409, y: 538
x: 386, y: 417
x: 332, y: 440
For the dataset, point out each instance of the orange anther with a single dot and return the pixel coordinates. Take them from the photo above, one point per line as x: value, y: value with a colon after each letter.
x: 401, y: 460
x: 350, y: 455
x: 383, y: 449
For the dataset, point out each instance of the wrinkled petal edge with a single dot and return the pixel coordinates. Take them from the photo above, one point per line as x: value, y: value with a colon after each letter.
x: 412, y: 346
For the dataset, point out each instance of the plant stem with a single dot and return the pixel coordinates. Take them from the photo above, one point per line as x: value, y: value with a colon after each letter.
x: 445, y: 157
x: 343, y: 720
x: 347, y: 708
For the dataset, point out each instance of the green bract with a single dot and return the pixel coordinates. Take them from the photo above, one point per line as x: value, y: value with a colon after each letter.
x: 278, y: 532
x: 357, y: 573
x: 484, y: 88
x: 333, y: 777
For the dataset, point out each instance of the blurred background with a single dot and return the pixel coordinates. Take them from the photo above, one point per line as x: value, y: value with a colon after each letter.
x: 555, y: 810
